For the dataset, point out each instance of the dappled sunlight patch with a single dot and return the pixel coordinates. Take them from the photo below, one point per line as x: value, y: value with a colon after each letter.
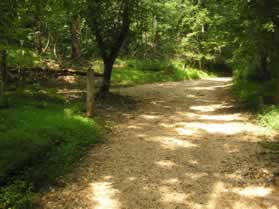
x: 146, y: 188
x: 227, y: 117
x: 229, y: 148
x: 66, y: 91
x: 253, y: 191
x: 167, y: 125
x: 52, y: 64
x: 239, y: 197
x: 173, y: 143
x: 210, y: 108
x: 187, y: 115
x: 166, y: 164
x: 219, y: 79
x: 193, y: 162
x: 149, y: 117
x: 131, y: 178
x: 134, y: 127
x: 172, y: 181
x: 236, y: 176
x: 69, y: 114
x: 184, y: 132
x: 69, y: 79
x: 107, y: 178
x: 170, y: 196
x: 173, y: 124
x: 142, y: 136
x: 105, y: 196
x: 209, y: 88
x: 192, y: 96
x: 225, y: 128
x: 216, y: 195
x: 196, y: 176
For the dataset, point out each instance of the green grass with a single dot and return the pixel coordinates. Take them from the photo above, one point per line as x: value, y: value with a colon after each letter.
x: 41, y: 137
x: 134, y: 72
x: 254, y: 94
x: 269, y: 117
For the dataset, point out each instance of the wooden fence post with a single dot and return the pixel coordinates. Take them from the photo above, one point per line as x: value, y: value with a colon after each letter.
x: 90, y: 93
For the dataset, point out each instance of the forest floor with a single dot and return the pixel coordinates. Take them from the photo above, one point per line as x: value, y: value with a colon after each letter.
x: 184, y: 145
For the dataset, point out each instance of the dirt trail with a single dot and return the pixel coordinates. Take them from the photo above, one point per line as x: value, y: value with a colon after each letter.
x: 185, y: 147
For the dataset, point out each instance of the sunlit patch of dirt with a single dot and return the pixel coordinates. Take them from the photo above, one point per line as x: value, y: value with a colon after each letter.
x: 104, y: 196
x: 69, y: 79
x: 184, y: 147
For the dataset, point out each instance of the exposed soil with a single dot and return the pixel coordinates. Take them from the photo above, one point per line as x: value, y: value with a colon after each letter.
x: 186, y: 146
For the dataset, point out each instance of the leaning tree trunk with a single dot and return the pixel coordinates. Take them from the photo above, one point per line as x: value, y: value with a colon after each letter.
x: 108, y: 65
x: 76, y: 37
x: 3, y: 77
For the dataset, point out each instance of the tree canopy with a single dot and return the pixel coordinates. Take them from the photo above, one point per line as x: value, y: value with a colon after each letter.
x: 230, y: 35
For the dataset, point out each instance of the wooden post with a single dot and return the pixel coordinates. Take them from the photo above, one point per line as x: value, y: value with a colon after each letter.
x: 90, y: 93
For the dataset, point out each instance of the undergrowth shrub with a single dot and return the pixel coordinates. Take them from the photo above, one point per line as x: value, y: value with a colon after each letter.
x: 254, y: 94
x: 270, y: 117
x: 18, y: 195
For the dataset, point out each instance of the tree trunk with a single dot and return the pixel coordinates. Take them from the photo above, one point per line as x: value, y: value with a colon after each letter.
x: 3, y: 77
x: 264, y: 67
x: 76, y: 37
x: 108, y: 65
x: 90, y: 93
x: 39, y: 42
x: 155, y: 34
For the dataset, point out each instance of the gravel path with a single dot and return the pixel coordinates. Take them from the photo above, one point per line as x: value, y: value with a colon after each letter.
x: 185, y: 147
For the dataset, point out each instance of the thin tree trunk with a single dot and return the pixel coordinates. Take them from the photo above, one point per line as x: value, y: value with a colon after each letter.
x: 3, y: 77
x: 155, y: 34
x: 90, y: 93
x: 38, y: 35
x: 55, y: 50
x: 264, y: 67
x: 47, y: 44
x: 39, y: 42
x: 76, y: 37
x: 108, y: 65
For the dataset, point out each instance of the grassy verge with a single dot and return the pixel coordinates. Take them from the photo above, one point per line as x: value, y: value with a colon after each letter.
x: 253, y: 95
x: 134, y: 72
x: 257, y: 97
x: 41, y: 137
x: 128, y: 72
x: 269, y: 117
